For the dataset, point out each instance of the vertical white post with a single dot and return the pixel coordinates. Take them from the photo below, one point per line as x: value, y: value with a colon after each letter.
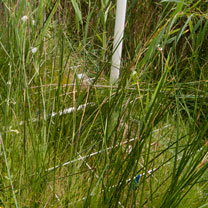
x: 118, y: 40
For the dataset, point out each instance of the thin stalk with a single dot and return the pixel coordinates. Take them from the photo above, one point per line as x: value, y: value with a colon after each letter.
x: 8, y: 171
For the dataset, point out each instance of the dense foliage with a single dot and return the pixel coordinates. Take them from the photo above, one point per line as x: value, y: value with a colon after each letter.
x: 69, y: 139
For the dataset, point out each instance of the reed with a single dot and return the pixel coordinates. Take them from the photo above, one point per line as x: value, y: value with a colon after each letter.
x: 67, y: 142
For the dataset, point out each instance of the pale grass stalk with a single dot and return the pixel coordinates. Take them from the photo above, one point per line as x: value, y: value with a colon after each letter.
x: 96, y: 153
x: 8, y: 171
x: 60, y: 113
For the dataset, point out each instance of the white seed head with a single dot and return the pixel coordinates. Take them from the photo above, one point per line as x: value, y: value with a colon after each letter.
x: 33, y: 22
x: 24, y: 18
x: 134, y: 73
x: 34, y: 50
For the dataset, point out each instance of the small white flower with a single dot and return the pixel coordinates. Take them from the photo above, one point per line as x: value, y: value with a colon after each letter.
x: 24, y: 18
x: 33, y: 22
x: 9, y: 83
x: 34, y: 50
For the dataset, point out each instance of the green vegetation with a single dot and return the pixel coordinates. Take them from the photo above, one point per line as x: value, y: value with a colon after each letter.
x: 66, y: 141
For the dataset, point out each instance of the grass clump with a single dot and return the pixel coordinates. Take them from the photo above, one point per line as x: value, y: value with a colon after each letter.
x: 69, y: 139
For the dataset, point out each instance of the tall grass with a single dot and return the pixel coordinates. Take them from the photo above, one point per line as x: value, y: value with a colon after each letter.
x: 68, y: 143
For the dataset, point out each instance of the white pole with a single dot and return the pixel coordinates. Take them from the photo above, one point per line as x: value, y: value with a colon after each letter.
x: 118, y: 40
